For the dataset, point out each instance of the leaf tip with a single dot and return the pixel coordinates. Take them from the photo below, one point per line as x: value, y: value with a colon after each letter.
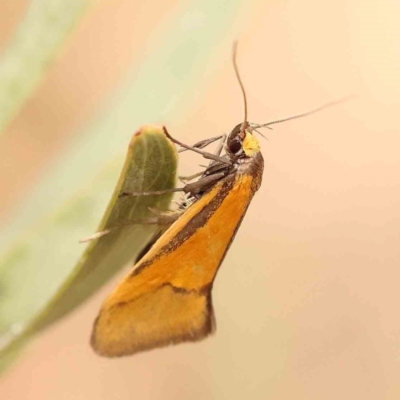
x: 144, y: 130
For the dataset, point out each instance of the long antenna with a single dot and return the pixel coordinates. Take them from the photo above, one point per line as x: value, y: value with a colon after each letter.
x: 315, y: 110
x: 235, y: 45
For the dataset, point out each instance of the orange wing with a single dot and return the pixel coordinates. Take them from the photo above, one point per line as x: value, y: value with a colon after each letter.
x: 166, y: 299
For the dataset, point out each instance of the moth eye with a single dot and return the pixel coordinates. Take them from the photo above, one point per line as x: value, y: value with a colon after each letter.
x: 235, y: 146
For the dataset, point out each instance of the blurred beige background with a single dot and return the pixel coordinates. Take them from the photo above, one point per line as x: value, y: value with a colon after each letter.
x: 307, y: 298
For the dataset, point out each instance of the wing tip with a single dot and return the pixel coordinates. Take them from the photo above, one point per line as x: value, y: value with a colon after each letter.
x: 106, y: 348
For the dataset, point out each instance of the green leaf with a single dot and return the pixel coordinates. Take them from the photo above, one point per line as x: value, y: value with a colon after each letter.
x: 150, y: 165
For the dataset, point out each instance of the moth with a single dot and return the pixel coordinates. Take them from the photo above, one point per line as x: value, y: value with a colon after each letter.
x: 167, y: 297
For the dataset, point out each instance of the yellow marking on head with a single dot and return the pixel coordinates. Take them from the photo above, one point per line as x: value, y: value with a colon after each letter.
x: 251, y: 146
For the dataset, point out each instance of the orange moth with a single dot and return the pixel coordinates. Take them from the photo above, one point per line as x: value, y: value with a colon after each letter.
x: 166, y: 298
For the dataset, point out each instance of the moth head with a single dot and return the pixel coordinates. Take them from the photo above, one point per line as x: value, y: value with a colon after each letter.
x: 241, y: 142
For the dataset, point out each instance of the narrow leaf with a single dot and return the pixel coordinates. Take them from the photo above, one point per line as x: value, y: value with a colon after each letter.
x: 150, y: 165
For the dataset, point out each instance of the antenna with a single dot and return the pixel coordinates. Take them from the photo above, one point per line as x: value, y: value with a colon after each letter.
x: 315, y: 110
x: 234, y: 53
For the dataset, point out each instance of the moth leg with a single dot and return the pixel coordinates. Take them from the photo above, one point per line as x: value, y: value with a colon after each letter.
x: 202, y: 143
x: 161, y: 218
x: 220, y: 145
x: 164, y: 219
x: 205, y: 154
x: 189, y: 188
x: 190, y: 177
x: 212, y: 163
x: 153, y: 193
x: 203, y: 183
